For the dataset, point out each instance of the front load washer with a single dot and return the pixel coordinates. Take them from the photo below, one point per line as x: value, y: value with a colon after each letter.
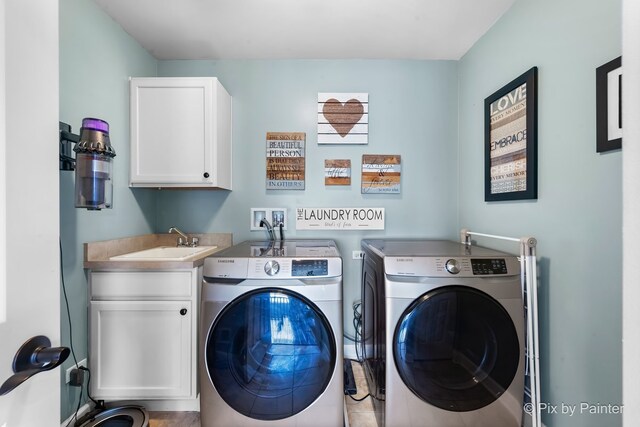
x: 443, y: 334
x: 271, y: 335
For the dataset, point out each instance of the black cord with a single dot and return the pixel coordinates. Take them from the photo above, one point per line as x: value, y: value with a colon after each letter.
x: 100, y: 404
x: 66, y: 300
x: 75, y: 415
x: 348, y: 337
x: 359, y: 399
x: 73, y: 353
x: 357, y: 326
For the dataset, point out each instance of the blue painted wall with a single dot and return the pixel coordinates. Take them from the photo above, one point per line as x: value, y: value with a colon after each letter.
x: 412, y: 112
x: 96, y: 60
x: 577, y: 217
x: 429, y: 112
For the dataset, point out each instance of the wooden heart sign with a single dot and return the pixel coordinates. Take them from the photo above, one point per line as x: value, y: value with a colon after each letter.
x: 343, y: 118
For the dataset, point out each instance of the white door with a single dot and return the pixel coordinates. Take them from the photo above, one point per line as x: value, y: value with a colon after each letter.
x: 29, y: 219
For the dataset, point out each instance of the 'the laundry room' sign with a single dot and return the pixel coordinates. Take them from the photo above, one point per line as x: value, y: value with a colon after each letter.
x: 339, y: 218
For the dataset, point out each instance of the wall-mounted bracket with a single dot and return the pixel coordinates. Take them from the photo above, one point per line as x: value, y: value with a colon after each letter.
x: 67, y: 139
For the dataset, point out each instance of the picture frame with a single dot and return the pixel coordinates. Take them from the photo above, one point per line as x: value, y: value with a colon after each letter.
x: 511, y: 140
x: 609, y: 106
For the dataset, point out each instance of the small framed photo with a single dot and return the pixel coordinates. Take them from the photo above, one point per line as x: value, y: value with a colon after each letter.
x: 609, y: 106
x: 511, y: 140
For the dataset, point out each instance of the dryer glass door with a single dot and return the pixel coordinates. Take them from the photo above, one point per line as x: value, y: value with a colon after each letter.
x: 270, y: 354
x: 456, y: 348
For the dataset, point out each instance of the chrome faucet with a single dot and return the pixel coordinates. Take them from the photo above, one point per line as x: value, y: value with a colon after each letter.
x: 183, y: 240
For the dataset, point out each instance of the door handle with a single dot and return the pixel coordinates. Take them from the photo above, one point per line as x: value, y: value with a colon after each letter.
x: 36, y: 355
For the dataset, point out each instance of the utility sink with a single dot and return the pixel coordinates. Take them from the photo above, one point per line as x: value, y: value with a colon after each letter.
x: 166, y: 253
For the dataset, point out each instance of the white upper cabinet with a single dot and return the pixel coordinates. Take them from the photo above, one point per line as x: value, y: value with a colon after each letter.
x: 180, y: 133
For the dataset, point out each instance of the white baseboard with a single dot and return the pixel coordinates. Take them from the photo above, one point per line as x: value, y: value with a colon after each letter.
x: 349, y: 351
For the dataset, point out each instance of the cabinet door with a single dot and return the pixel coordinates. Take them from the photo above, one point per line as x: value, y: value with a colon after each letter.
x: 172, y: 131
x: 142, y: 349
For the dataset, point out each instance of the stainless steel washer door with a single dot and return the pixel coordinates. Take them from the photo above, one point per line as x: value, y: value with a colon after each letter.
x: 456, y: 348
x: 270, y: 354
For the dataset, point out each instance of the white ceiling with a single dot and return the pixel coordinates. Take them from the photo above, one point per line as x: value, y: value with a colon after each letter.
x: 306, y: 29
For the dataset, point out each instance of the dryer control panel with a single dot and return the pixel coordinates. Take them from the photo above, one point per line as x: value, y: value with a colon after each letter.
x: 489, y: 266
x: 451, y: 266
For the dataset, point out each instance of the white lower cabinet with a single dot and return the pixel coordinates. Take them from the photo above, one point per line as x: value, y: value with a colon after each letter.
x: 143, y: 334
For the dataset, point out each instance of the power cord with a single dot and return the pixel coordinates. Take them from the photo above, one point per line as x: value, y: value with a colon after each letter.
x: 358, y: 399
x: 73, y: 353
x: 357, y: 326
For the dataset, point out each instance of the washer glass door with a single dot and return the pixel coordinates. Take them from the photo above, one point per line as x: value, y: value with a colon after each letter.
x: 456, y: 348
x: 270, y: 353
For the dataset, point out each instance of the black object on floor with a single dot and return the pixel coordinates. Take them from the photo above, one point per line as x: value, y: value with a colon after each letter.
x: 120, y: 416
x: 350, y: 387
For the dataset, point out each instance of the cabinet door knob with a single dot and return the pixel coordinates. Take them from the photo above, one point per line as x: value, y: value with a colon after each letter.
x: 206, y: 174
x: 183, y: 311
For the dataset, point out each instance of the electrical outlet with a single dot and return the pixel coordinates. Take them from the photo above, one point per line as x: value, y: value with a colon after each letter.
x: 357, y: 254
x: 67, y: 377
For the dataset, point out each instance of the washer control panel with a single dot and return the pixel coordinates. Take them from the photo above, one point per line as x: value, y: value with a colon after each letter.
x: 278, y: 268
x: 309, y: 267
x: 271, y: 268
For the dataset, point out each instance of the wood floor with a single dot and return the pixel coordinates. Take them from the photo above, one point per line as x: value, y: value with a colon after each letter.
x: 359, y: 414
x: 174, y: 419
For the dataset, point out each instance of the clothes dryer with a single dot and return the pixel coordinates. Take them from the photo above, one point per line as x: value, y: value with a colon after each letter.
x: 443, y: 328
x: 271, y: 335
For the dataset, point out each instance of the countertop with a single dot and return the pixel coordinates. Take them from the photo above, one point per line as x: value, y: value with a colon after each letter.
x: 97, y: 254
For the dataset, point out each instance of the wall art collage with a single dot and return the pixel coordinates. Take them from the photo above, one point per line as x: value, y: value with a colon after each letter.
x: 343, y: 119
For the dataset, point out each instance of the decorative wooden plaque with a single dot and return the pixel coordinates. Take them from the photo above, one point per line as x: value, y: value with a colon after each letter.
x: 340, y: 219
x: 380, y: 174
x: 285, y: 160
x: 337, y: 172
x: 343, y: 118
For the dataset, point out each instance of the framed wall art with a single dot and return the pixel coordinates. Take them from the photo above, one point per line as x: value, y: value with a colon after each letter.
x: 381, y: 174
x: 337, y: 172
x: 343, y: 118
x: 285, y: 160
x: 511, y: 140
x: 609, y: 106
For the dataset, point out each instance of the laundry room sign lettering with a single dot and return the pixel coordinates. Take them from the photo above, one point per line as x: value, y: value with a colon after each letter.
x: 339, y: 218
